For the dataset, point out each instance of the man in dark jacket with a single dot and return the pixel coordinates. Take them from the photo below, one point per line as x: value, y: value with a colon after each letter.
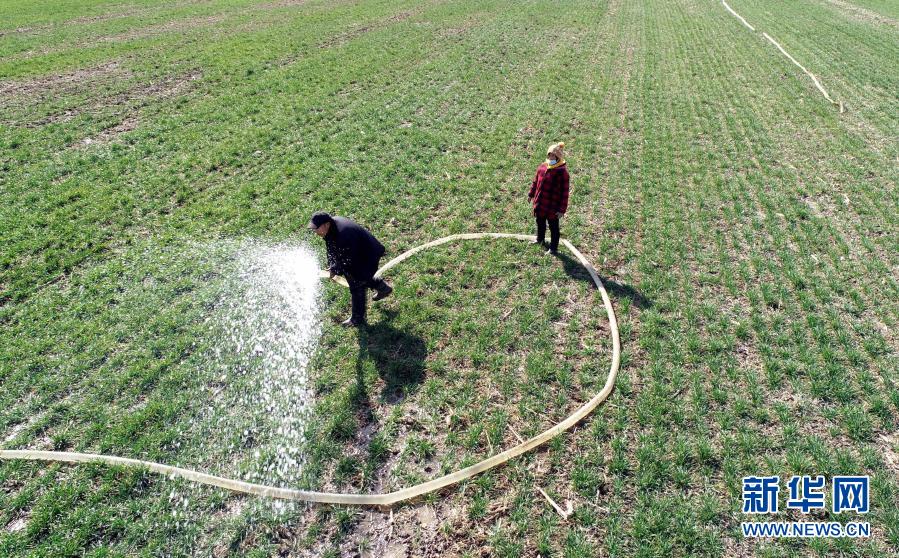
x: 354, y: 253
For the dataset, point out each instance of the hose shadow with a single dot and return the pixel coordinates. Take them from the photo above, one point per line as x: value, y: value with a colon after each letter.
x: 575, y: 270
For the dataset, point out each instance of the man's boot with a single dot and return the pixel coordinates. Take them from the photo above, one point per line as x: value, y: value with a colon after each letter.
x: 383, y: 289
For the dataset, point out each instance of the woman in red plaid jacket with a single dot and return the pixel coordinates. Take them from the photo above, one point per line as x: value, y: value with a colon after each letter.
x: 549, y: 195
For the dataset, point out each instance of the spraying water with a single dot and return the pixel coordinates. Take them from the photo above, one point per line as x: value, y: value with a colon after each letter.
x: 265, y: 329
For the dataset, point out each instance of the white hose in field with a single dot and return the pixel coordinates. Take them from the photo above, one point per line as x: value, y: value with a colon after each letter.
x: 817, y: 83
x: 811, y: 75
x: 390, y: 498
x: 738, y: 16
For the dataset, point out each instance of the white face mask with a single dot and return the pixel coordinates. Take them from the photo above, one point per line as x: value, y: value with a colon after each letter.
x: 553, y: 161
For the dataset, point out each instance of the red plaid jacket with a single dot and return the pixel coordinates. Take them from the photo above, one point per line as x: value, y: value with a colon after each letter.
x: 549, y: 191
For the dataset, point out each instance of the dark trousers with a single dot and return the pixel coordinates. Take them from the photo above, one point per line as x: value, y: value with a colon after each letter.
x: 553, y: 232
x: 359, y: 293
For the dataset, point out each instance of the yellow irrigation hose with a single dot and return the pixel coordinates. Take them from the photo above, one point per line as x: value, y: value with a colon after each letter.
x: 808, y: 73
x: 817, y: 83
x: 325, y: 274
x: 391, y: 498
x: 738, y: 16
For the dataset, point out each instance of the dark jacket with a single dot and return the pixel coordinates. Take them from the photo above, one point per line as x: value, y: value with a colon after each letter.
x: 549, y: 191
x: 352, y: 250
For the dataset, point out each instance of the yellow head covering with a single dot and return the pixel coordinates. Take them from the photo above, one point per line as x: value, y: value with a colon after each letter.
x: 555, y: 151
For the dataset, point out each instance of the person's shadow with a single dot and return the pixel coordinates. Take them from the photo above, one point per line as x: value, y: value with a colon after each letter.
x: 575, y: 270
x: 397, y: 355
